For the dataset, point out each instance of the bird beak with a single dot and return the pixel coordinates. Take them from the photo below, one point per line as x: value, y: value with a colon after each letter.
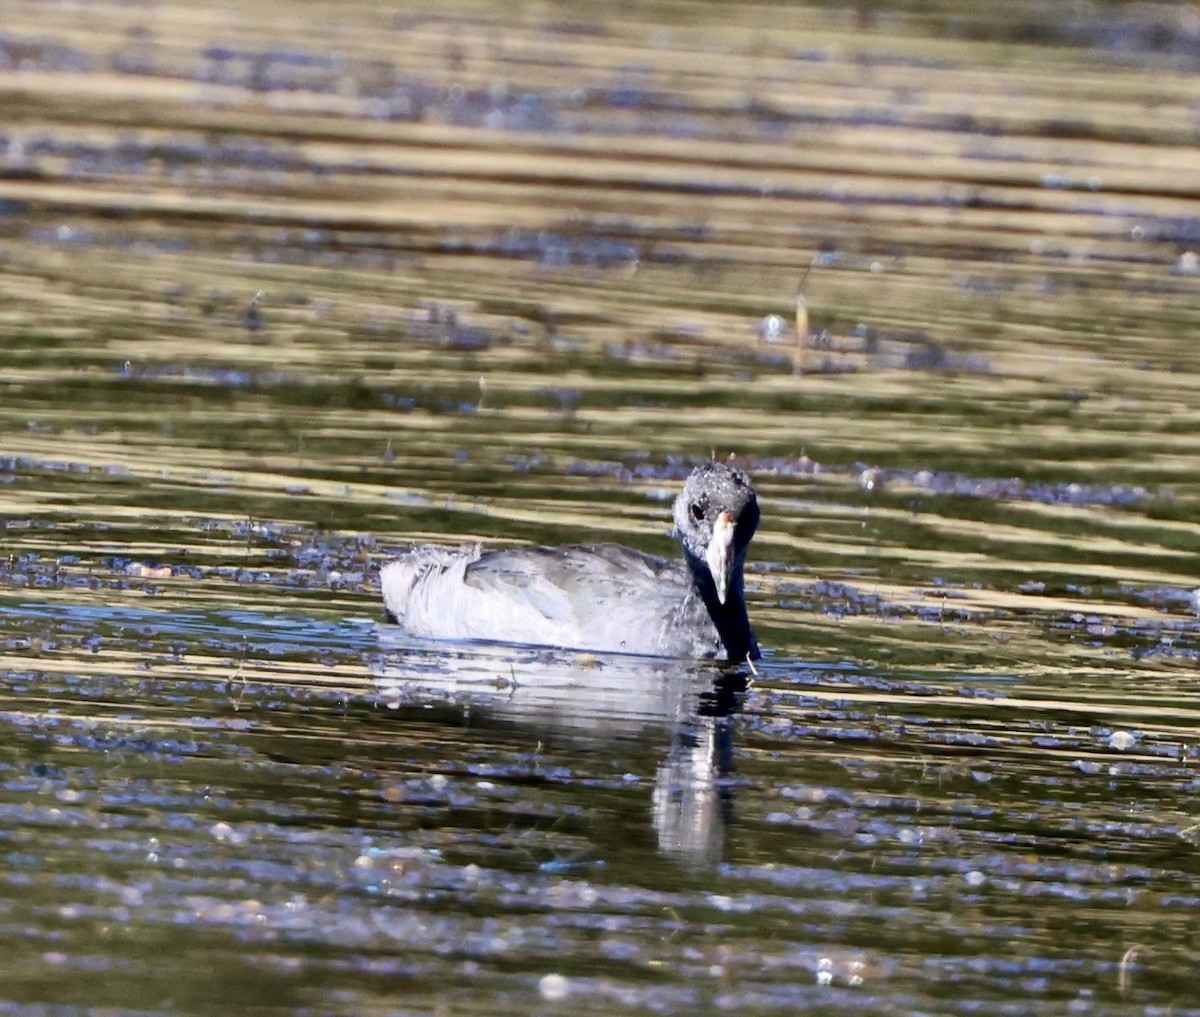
x: 720, y: 553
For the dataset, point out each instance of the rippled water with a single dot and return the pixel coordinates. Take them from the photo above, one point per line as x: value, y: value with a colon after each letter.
x: 283, y: 290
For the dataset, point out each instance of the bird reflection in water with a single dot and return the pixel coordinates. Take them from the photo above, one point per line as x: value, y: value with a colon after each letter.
x: 593, y: 700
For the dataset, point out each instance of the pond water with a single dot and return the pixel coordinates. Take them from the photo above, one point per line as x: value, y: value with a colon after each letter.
x: 285, y: 290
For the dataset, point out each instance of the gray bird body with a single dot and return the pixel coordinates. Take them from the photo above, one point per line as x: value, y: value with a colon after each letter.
x: 599, y: 597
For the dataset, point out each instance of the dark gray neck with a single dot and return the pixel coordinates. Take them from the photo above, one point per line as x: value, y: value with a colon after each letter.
x: 730, y: 618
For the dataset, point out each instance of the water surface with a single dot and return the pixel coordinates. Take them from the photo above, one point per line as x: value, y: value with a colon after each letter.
x: 283, y: 291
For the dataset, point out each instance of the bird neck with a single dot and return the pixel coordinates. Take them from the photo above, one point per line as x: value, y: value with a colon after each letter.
x: 731, y: 621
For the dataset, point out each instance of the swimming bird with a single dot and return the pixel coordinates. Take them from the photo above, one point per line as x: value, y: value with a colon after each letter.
x: 599, y: 597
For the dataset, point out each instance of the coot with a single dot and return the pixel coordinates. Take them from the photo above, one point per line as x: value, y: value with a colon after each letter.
x: 599, y: 597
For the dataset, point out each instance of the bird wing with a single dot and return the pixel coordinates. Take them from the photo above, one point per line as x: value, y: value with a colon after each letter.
x: 601, y: 597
